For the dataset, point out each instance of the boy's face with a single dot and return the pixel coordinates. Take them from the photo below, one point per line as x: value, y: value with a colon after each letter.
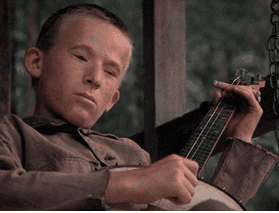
x: 81, y: 75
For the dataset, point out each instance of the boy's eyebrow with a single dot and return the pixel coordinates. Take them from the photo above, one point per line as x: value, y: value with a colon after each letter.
x: 91, y: 52
x: 82, y: 46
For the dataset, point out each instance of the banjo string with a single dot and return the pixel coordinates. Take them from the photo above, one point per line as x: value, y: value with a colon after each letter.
x: 212, y: 115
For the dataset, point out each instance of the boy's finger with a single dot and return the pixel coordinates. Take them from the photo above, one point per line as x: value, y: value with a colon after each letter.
x: 193, y: 166
x: 216, y: 97
x: 223, y: 85
x: 220, y: 84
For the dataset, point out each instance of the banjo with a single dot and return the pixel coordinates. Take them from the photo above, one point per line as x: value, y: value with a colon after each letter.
x: 199, y: 148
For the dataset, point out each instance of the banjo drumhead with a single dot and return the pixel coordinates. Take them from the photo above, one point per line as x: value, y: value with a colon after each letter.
x: 207, y: 197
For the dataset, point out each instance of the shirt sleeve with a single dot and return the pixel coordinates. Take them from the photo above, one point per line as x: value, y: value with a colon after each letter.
x: 22, y: 190
x: 242, y: 168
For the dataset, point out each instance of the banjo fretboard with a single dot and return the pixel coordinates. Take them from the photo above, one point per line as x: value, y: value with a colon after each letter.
x: 207, y: 134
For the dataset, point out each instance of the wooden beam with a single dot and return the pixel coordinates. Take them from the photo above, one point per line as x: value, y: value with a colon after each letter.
x: 150, y: 137
x: 4, y: 57
x: 170, y: 59
x: 164, y: 37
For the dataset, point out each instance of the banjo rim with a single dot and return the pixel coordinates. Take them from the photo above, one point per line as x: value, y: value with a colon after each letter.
x: 199, y: 178
x: 224, y: 191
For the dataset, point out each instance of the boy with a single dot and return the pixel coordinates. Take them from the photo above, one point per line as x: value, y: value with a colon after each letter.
x: 53, y: 161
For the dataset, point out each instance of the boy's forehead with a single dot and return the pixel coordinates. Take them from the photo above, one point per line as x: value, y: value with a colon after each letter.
x: 82, y: 22
x: 83, y: 30
x: 75, y: 24
x: 94, y: 28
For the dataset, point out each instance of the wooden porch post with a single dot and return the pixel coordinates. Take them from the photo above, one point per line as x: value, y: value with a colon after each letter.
x: 164, y: 64
x: 170, y: 60
x: 150, y: 137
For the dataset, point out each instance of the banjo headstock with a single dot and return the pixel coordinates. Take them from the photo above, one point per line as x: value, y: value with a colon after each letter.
x: 242, y: 77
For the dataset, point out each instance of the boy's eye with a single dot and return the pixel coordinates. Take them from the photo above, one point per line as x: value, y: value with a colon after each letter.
x: 109, y: 72
x: 81, y: 58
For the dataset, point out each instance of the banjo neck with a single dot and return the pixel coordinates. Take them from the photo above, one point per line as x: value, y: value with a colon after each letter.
x: 199, y: 148
x: 203, y: 141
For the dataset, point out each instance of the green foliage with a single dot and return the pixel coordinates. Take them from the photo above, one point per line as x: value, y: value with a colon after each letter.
x: 223, y: 36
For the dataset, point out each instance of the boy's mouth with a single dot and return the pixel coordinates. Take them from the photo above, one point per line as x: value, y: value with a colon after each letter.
x: 85, y: 95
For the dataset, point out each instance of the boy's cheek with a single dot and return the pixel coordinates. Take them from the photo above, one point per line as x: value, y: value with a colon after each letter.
x: 80, y: 116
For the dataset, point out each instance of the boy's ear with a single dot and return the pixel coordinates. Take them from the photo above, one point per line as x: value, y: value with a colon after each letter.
x: 33, y: 61
x: 115, y: 98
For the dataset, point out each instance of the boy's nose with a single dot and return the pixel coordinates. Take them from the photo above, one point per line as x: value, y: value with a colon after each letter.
x: 93, y: 77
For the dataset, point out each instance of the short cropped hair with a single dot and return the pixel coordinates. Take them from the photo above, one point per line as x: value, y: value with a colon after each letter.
x: 51, y: 28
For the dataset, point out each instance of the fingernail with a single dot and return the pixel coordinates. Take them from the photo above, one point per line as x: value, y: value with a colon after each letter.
x: 215, y: 83
x: 219, y: 84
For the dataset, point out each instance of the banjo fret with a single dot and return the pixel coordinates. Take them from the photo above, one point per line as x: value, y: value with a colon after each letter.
x: 207, y: 134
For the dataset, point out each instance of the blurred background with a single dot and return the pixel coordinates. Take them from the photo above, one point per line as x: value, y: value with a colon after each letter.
x: 222, y: 36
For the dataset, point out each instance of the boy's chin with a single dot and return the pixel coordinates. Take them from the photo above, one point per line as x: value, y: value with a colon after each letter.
x: 82, y: 123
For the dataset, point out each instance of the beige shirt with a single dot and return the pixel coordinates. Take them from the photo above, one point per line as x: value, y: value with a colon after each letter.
x: 53, y: 165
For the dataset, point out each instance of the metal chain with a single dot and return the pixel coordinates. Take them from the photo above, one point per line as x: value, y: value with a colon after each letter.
x: 273, y: 48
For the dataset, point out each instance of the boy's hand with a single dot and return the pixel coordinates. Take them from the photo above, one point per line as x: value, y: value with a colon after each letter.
x: 247, y: 116
x: 173, y: 178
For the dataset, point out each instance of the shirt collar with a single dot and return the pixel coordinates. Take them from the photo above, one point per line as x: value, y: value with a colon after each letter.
x: 38, y: 122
